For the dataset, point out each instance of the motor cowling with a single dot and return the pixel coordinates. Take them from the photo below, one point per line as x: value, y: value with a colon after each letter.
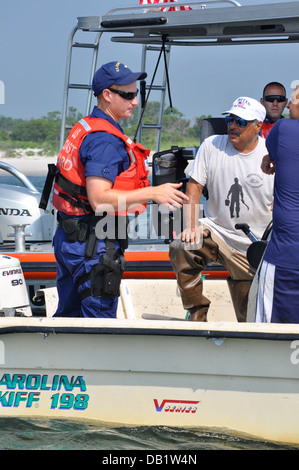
x: 14, y: 300
x: 19, y: 206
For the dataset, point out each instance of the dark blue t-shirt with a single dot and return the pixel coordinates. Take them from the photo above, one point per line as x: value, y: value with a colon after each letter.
x: 104, y: 154
x: 283, y: 146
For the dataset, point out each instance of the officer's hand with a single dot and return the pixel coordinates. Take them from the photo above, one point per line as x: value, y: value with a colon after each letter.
x: 170, y: 196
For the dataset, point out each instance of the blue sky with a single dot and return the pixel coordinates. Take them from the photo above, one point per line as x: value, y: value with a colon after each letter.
x: 205, y: 80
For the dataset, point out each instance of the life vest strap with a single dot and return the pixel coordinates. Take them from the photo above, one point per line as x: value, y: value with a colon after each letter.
x: 69, y: 187
x: 77, y: 202
x: 52, y: 172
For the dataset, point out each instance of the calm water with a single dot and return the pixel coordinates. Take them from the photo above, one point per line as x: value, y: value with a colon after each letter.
x: 21, y: 434
x: 38, y: 181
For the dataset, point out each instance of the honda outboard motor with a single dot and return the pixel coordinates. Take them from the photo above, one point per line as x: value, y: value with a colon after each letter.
x: 14, y: 300
x: 19, y: 207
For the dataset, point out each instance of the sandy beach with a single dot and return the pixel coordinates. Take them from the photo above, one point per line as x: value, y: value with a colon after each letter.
x: 34, y: 165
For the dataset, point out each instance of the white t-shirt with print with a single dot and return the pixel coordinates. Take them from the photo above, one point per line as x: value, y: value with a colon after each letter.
x: 239, y: 192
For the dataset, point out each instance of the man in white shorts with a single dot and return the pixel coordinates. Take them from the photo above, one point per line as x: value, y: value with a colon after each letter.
x: 230, y: 167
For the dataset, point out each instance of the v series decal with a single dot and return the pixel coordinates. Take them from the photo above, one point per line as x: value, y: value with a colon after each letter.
x: 177, y: 406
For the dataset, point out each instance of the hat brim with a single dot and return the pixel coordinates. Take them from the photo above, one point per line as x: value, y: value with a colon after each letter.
x: 130, y: 78
x: 239, y: 113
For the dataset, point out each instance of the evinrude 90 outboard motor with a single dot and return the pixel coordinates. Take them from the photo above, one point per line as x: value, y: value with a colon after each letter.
x: 14, y: 300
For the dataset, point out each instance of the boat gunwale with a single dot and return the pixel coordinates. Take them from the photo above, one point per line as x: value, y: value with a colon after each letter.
x: 208, y: 333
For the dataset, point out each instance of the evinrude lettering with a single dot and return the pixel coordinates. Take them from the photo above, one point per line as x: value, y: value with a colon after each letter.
x: 11, y: 272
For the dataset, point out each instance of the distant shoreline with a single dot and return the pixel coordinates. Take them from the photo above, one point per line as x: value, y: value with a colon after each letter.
x: 34, y: 165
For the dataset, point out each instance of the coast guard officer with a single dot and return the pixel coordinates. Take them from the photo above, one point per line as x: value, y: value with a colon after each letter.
x: 101, y: 175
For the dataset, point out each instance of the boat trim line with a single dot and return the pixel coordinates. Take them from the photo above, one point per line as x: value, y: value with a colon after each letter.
x: 205, y: 333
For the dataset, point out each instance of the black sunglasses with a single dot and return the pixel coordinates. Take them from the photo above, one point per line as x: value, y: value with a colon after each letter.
x: 127, y: 95
x: 239, y: 121
x: 272, y: 98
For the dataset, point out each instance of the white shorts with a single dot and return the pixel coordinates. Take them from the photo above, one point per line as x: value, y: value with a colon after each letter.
x: 278, y: 295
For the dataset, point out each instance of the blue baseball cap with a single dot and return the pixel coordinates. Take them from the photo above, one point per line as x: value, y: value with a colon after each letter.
x: 114, y: 73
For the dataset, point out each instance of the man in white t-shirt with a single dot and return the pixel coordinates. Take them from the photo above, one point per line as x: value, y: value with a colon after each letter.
x: 230, y: 167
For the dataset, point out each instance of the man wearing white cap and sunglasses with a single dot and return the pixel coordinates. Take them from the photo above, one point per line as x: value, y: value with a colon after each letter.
x: 230, y: 167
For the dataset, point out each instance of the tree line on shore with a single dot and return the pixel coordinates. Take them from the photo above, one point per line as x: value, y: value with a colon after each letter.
x: 44, y: 133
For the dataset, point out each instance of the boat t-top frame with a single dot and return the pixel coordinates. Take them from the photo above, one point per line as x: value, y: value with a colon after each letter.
x: 210, y: 23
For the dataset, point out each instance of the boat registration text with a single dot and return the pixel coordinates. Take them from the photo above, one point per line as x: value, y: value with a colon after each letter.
x: 26, y: 389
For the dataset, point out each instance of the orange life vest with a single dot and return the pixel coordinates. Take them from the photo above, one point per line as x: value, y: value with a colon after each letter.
x: 266, y: 128
x: 69, y: 194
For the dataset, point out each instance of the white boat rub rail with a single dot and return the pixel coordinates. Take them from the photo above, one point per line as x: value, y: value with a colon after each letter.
x: 77, y: 326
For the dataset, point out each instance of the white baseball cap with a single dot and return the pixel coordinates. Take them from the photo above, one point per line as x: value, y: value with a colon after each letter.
x: 247, y: 108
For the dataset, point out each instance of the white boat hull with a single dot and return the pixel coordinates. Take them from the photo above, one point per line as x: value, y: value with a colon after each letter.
x: 240, y: 378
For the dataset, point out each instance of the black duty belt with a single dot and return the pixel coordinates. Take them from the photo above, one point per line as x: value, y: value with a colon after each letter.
x: 84, y: 230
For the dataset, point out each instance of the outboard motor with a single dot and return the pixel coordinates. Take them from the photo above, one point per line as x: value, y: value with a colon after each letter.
x: 14, y: 300
x: 19, y: 207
